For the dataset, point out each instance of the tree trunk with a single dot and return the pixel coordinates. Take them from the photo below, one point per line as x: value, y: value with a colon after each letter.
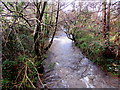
x: 37, y: 36
x: 106, y: 21
x: 108, y: 24
x: 56, y: 24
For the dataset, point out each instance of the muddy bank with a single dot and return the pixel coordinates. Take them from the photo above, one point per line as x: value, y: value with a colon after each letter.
x: 67, y: 67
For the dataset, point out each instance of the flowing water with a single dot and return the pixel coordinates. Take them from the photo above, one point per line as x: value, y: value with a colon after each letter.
x: 67, y: 67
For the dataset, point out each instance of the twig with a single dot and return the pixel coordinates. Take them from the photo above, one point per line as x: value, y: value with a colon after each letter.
x: 28, y: 77
x: 37, y: 73
x: 23, y: 80
x: 19, y: 73
x: 7, y: 7
x: 20, y: 42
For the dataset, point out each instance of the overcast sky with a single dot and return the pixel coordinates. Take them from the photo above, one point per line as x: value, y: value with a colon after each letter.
x: 69, y: 6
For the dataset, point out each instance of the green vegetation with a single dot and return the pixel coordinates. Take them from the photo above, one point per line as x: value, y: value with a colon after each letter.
x: 28, y: 30
x: 19, y: 65
x: 94, y: 49
x: 25, y: 41
x: 97, y: 36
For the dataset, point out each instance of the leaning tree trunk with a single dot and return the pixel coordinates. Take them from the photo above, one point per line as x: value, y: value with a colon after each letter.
x: 37, y: 35
x: 56, y: 24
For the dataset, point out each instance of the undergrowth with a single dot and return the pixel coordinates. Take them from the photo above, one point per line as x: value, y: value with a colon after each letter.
x: 93, y: 47
x: 19, y: 66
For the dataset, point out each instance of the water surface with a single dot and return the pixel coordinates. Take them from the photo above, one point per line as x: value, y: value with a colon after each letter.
x: 67, y: 67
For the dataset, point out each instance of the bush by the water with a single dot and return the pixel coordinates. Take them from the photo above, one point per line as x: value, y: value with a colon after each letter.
x: 93, y: 47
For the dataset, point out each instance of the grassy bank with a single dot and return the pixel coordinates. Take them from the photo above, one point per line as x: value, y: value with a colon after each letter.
x: 92, y: 46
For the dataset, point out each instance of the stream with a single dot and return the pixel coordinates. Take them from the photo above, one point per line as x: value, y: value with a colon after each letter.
x: 67, y: 67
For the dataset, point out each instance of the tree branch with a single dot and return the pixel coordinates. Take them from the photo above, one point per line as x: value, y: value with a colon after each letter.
x: 7, y: 7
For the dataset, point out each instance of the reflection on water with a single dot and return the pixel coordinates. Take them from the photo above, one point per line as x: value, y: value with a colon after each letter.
x: 72, y: 69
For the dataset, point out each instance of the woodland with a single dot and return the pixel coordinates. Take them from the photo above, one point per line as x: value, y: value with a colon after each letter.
x: 28, y: 30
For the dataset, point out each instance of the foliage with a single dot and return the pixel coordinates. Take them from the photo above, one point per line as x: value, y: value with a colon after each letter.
x: 98, y: 36
x: 25, y: 34
x: 15, y: 53
x: 94, y: 49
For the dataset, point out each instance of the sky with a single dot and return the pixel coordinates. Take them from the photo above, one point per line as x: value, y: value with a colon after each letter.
x: 69, y: 7
x: 60, y: 0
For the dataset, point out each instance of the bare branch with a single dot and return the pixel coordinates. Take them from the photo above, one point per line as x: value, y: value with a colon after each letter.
x: 7, y: 7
